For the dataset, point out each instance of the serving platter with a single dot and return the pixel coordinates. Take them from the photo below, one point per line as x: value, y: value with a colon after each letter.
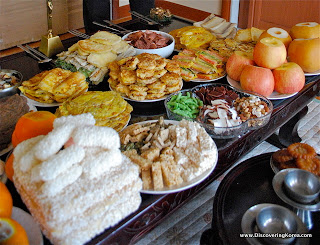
x: 274, y: 96
x: 184, y: 185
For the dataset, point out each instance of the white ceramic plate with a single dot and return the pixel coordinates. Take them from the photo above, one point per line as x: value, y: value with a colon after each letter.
x: 184, y: 185
x: 206, y: 81
x: 30, y: 226
x: 148, y: 101
x: 40, y: 104
x: 274, y: 96
x: 312, y: 73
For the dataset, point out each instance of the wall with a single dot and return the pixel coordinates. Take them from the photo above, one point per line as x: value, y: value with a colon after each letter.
x: 24, y: 21
x: 211, y: 6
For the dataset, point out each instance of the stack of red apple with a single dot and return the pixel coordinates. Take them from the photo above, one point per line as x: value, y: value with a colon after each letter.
x: 267, y: 70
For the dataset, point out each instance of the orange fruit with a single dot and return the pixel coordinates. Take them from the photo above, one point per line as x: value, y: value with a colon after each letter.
x: 31, y: 125
x: 8, y: 167
x: 12, y: 233
x: 5, y: 201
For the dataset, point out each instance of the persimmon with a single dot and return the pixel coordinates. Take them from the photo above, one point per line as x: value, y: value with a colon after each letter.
x: 5, y: 201
x: 8, y: 167
x: 31, y: 125
x: 12, y: 233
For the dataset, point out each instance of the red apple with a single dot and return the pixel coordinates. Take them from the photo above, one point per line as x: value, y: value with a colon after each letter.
x: 269, y: 52
x: 288, y: 78
x: 236, y: 62
x: 257, y: 79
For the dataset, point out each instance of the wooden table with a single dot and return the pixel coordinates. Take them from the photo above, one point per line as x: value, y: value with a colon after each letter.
x: 154, y: 208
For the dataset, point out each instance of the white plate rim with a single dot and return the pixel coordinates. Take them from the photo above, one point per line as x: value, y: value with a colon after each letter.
x: 29, y: 224
x: 274, y: 96
x: 40, y: 104
x: 205, y: 80
x: 184, y: 185
x: 312, y: 73
x: 147, y: 101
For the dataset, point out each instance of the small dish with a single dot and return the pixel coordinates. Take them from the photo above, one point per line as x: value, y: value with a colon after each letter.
x: 13, y: 79
x: 302, y: 186
x: 278, y: 186
x: 165, y: 52
x: 275, y: 220
x: 249, y: 226
x: 241, y: 127
x: 172, y: 115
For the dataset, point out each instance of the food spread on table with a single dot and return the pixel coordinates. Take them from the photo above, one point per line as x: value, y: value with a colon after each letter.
x: 92, y: 56
x: 145, y: 77
x: 56, y: 85
x: 76, y: 173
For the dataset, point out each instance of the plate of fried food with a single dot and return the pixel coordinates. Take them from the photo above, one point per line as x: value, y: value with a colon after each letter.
x: 145, y: 77
x: 200, y: 65
x: 52, y: 87
x: 192, y: 37
x: 172, y: 156
x: 296, y: 155
x: 108, y: 108
x: 92, y: 56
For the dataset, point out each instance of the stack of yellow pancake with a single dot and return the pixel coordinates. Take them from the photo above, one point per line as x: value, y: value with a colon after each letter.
x: 56, y: 85
x: 108, y: 108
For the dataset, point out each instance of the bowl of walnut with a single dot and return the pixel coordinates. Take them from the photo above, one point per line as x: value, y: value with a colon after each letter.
x: 228, y: 112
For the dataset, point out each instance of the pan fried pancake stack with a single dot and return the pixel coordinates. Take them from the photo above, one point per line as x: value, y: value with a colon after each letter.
x: 76, y: 192
x: 56, y: 85
x: 108, y: 108
x: 91, y: 56
x: 145, y: 77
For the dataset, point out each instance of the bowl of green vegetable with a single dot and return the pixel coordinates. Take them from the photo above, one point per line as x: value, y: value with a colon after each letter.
x: 182, y: 105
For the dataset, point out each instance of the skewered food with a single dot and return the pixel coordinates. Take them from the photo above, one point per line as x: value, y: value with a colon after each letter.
x: 145, y: 76
x: 56, y: 85
x: 75, y: 181
x: 108, y: 108
x: 92, y: 56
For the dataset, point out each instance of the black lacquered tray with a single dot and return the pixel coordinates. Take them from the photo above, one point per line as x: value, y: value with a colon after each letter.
x: 246, y: 185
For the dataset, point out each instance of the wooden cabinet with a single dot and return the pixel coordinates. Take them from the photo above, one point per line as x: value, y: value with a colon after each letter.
x: 264, y: 14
